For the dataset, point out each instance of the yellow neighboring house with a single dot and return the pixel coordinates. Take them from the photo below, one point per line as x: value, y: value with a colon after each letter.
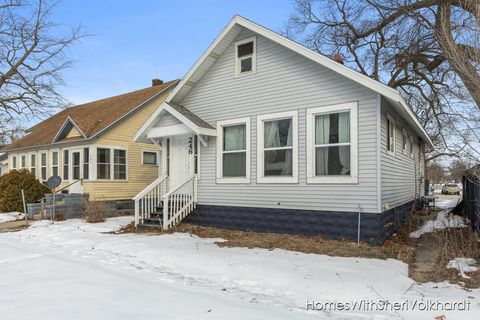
x: 93, y: 144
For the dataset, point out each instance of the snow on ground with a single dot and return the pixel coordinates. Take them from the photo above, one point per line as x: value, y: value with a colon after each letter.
x: 75, y: 270
x: 447, y: 204
x: 444, y: 220
x: 463, y: 265
x: 11, y: 216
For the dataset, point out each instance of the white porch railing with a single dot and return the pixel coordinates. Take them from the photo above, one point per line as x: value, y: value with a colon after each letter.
x: 179, y: 202
x: 149, y: 199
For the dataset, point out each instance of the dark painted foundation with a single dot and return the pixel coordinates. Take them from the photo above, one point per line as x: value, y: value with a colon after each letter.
x: 375, y: 228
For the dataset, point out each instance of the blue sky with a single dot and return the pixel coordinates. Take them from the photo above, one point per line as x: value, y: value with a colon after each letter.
x: 136, y: 41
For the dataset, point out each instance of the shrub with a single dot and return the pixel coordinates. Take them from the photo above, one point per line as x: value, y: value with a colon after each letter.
x: 11, y: 185
x: 94, y: 211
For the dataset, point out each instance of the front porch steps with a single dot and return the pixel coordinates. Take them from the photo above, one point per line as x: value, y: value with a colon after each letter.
x: 155, y: 220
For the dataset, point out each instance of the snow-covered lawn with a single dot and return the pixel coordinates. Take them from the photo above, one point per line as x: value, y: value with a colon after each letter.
x: 11, y: 216
x: 73, y: 270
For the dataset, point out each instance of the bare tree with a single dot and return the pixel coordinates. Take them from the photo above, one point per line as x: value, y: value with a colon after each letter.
x: 436, y: 172
x: 32, y: 58
x: 428, y: 50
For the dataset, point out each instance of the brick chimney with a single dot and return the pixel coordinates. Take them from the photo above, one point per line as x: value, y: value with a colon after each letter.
x: 337, y: 57
x: 156, y: 82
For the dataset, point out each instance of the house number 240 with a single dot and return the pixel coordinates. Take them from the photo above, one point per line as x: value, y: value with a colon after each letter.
x: 190, y: 145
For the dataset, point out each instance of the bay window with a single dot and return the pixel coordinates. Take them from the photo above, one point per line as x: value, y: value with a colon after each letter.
x: 277, y: 148
x: 332, y: 144
x: 233, y: 151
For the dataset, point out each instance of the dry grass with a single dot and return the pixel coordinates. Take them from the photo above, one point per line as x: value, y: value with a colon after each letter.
x: 396, y: 247
x: 94, y: 212
x: 59, y: 217
x: 453, y: 243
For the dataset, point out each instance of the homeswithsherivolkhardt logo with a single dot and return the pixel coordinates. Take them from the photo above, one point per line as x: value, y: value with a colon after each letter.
x: 387, y: 305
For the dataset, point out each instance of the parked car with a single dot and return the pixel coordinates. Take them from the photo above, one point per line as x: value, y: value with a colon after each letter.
x: 450, y: 188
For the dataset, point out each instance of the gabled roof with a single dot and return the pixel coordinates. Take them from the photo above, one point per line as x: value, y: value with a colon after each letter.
x: 67, y: 127
x: 233, y: 29
x: 182, y: 114
x: 90, y: 118
x: 3, y: 157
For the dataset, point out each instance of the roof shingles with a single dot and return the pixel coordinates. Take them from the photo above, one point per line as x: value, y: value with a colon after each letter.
x: 90, y: 118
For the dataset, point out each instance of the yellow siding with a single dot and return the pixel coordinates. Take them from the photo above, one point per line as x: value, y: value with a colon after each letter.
x: 121, y: 136
x: 138, y: 175
x: 73, y: 133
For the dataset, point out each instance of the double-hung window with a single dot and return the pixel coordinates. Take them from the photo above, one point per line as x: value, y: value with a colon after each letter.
x: 54, y: 163
x: 103, y: 163
x: 14, y: 162
x: 119, y: 164
x: 65, y: 164
x: 245, y: 56
x: 390, y: 135
x: 111, y: 164
x: 24, y: 162
x: 404, y: 141
x: 233, y: 151
x: 86, y: 163
x: 332, y: 150
x: 277, y: 142
x: 33, y: 164
x: 411, y: 147
x: 43, y: 166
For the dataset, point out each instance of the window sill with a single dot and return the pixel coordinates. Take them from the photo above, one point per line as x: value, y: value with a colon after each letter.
x: 392, y: 153
x: 277, y: 179
x: 332, y: 180
x: 239, y: 180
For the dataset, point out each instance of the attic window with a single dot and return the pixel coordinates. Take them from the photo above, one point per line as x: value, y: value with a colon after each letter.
x: 245, y: 56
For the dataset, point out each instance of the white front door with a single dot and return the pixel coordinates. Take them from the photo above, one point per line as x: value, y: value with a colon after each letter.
x: 181, y: 159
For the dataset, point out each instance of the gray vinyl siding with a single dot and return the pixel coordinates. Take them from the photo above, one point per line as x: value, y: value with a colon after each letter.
x: 400, y: 173
x: 284, y: 81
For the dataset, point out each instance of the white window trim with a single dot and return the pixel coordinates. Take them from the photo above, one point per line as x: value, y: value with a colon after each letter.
x: 405, y: 136
x: 390, y: 152
x: 93, y: 157
x: 412, y: 147
x: 220, y: 125
x: 30, y: 163
x: 58, y: 161
x: 260, y: 147
x: 148, y: 164
x: 254, y: 57
x: 21, y: 161
x: 14, y: 165
x: 352, y: 107
x: 41, y: 166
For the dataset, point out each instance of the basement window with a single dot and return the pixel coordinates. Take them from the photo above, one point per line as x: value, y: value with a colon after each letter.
x: 245, y: 56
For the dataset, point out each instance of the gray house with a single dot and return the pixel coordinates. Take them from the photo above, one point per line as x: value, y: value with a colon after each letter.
x: 264, y: 134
